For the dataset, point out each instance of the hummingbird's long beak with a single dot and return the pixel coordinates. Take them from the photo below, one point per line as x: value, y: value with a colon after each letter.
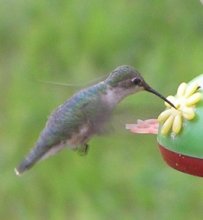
x: 149, y: 89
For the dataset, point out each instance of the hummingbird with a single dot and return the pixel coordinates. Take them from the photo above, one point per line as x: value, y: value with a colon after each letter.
x: 85, y: 114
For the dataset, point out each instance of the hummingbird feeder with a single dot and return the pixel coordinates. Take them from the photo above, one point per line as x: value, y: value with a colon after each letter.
x: 180, y: 130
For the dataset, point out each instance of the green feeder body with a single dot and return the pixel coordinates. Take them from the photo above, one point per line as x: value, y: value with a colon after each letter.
x: 184, y: 151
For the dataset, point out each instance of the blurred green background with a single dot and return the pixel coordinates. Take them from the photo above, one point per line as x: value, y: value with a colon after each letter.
x: 123, y: 176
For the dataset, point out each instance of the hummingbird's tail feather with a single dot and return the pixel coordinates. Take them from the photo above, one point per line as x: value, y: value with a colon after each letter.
x: 39, y: 152
x: 24, y: 166
x: 31, y: 159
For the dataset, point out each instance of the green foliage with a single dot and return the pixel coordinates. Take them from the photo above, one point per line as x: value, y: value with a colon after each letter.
x: 123, y: 176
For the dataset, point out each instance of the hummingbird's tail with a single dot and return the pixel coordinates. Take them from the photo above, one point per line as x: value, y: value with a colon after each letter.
x: 27, y: 163
x: 39, y: 152
x: 30, y: 160
x: 24, y: 165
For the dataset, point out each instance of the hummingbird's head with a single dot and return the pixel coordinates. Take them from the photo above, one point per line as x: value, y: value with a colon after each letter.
x: 123, y: 77
x: 129, y: 80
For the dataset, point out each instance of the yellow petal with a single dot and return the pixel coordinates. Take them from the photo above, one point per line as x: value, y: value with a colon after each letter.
x: 188, y: 113
x: 181, y: 89
x: 167, y: 125
x: 164, y: 115
x: 191, y: 89
x: 177, y: 124
x: 192, y: 100
x: 172, y: 99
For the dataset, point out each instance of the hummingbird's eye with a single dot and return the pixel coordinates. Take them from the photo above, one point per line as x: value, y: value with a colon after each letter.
x: 136, y: 81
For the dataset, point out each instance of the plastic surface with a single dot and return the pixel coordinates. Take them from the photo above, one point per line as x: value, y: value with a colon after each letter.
x: 190, y: 140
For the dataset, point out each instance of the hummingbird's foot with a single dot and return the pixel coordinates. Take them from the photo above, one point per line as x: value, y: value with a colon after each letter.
x: 83, y: 150
x: 86, y: 148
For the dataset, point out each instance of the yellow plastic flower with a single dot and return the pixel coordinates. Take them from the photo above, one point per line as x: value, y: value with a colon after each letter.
x: 185, y: 100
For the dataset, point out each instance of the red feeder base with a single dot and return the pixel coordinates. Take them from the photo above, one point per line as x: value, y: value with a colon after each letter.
x: 183, y: 163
